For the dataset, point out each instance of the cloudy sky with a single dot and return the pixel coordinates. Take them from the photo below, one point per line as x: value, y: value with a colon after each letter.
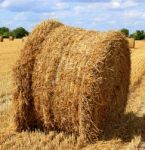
x: 90, y: 14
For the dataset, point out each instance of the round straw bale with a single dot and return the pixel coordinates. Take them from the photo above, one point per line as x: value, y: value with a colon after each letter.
x: 131, y: 42
x: 70, y: 79
x: 1, y: 39
x: 24, y: 38
x: 11, y: 38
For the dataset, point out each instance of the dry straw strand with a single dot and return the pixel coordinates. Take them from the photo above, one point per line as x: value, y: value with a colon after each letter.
x: 23, y: 76
x: 70, y: 79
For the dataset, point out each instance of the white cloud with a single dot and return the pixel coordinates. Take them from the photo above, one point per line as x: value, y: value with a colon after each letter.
x: 102, y: 14
x: 55, y: 5
x: 115, y: 3
x: 134, y: 14
x: 122, y: 4
x: 33, y: 5
x: 107, y: 5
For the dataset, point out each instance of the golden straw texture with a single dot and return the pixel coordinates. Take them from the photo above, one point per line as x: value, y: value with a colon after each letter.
x: 70, y: 79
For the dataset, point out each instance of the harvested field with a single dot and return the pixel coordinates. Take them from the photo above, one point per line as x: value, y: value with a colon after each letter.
x: 9, y: 52
x: 122, y: 137
x: 138, y: 63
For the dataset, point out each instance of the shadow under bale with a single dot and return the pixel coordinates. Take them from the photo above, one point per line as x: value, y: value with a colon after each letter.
x: 72, y: 80
x: 129, y: 126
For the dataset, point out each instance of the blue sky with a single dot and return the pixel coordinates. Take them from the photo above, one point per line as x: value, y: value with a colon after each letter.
x: 91, y: 14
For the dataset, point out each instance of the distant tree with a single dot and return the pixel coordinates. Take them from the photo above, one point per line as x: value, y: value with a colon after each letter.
x: 19, y: 32
x: 10, y: 33
x: 138, y: 35
x: 6, y: 34
x: 4, y: 30
x: 125, y: 32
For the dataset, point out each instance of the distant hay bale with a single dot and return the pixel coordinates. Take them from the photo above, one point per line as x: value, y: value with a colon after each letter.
x: 131, y: 42
x: 1, y: 39
x: 11, y: 38
x: 70, y: 79
x: 24, y: 39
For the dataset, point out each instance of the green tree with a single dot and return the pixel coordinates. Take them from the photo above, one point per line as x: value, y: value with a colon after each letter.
x: 4, y: 30
x: 19, y: 32
x: 138, y: 35
x: 125, y: 32
x: 6, y: 34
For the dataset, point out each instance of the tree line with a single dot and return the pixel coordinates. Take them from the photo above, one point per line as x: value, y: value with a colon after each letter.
x: 138, y: 35
x: 17, y: 33
x: 21, y: 32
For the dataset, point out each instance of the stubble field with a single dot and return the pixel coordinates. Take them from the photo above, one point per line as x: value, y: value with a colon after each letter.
x: 128, y: 135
